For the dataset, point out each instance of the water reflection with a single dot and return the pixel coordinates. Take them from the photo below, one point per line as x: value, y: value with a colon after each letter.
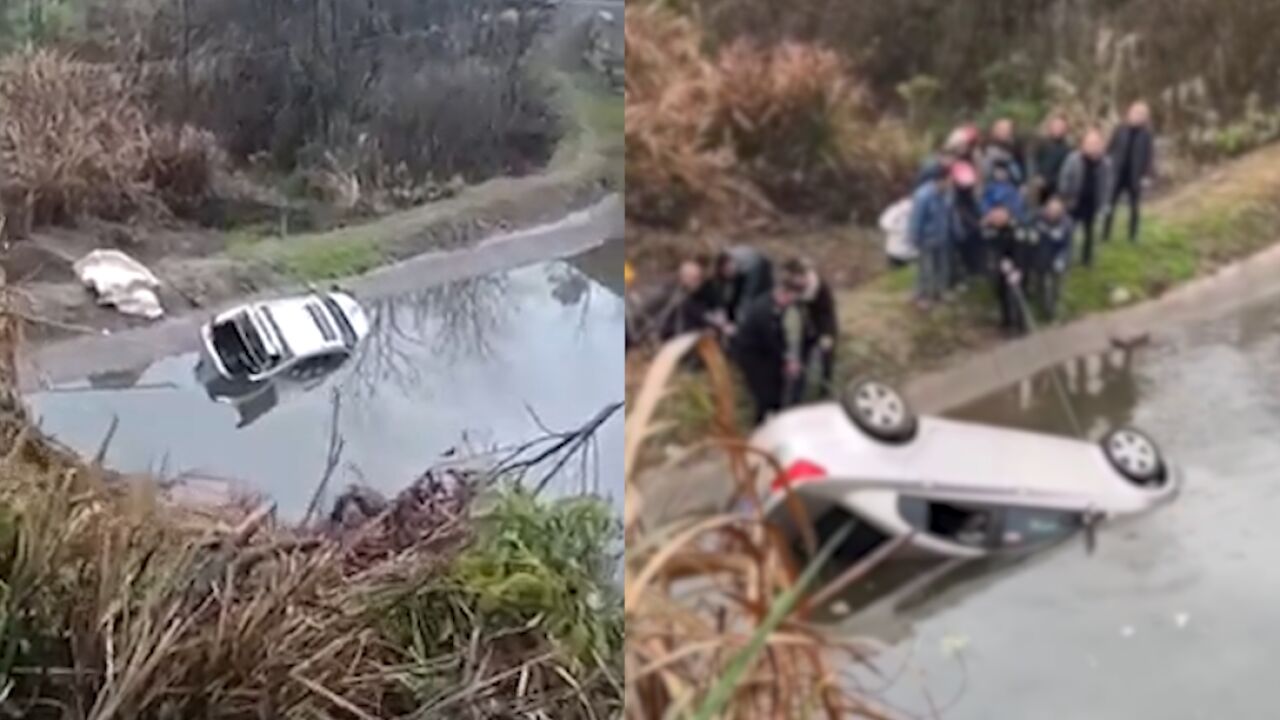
x: 1099, y: 391
x: 487, y: 363
x: 1063, y: 634
x: 454, y: 322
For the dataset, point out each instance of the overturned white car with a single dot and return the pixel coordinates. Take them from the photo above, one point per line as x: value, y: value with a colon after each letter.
x: 958, y: 489
x: 297, y: 337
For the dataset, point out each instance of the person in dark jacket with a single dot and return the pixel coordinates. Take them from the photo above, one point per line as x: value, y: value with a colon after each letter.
x: 1003, y: 147
x: 767, y: 350
x: 1010, y: 251
x: 1051, y: 153
x: 1132, y: 151
x: 742, y: 274
x: 691, y: 303
x: 1085, y: 188
x: 818, y: 305
x: 966, y: 225
x: 1053, y: 232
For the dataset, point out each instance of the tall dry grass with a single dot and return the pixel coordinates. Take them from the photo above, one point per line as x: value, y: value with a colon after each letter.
x: 115, y: 603
x: 748, y: 131
x: 75, y: 140
x: 716, y: 606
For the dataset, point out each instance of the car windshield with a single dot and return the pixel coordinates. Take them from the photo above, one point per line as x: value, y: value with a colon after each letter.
x: 340, y: 318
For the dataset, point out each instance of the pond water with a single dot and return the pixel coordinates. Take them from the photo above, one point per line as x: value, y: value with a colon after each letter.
x: 1172, y: 617
x: 448, y: 370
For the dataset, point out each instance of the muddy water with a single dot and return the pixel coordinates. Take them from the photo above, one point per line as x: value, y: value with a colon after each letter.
x: 1174, y: 615
x: 452, y: 369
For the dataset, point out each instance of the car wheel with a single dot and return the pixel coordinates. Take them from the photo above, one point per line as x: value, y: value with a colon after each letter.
x: 880, y: 411
x: 1135, y: 456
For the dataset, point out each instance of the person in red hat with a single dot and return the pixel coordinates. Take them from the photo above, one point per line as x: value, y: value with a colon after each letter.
x: 966, y: 225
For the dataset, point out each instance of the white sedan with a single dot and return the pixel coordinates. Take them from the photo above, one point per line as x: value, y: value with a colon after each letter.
x: 958, y: 489
x: 296, y: 337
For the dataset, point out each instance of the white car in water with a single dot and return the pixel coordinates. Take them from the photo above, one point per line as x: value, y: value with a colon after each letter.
x: 296, y: 337
x: 958, y: 489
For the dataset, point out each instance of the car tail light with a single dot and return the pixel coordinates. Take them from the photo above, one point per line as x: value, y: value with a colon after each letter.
x: 800, y: 471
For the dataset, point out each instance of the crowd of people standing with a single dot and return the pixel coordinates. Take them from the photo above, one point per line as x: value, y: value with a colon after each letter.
x: 986, y: 207
x: 982, y: 210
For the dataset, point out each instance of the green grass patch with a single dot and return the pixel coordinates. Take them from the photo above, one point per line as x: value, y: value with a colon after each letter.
x: 594, y: 118
x: 328, y: 259
x: 240, y: 239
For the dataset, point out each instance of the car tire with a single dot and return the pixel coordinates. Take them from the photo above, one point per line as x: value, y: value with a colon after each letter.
x: 880, y: 411
x: 1135, y: 456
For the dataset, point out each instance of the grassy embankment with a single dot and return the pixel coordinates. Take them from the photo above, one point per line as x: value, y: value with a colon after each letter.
x: 589, y: 151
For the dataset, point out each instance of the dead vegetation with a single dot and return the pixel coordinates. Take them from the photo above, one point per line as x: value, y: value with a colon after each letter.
x: 75, y: 140
x: 751, y: 131
x: 454, y: 599
x: 717, y: 606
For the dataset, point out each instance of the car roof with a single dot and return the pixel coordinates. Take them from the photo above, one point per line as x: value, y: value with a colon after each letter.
x: 956, y: 460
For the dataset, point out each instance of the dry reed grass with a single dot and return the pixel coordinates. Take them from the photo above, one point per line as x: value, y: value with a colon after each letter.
x: 116, y: 604
x: 75, y: 140
x: 716, y: 626
x: 749, y: 132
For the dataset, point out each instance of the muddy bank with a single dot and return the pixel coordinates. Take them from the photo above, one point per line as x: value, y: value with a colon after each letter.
x: 61, y: 359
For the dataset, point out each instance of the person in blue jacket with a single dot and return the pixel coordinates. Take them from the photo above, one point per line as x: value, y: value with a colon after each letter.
x: 929, y: 230
x: 1002, y: 191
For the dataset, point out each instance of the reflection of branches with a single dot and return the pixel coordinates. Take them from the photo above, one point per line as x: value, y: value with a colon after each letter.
x: 450, y: 322
x: 333, y: 457
x: 557, y: 448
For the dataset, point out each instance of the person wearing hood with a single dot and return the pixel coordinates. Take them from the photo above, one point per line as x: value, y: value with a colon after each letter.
x: 818, y: 306
x: 1085, y: 187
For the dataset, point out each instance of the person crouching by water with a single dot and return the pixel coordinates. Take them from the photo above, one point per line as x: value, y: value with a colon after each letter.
x: 1053, y: 230
x: 818, y: 314
x: 692, y: 303
x: 929, y: 230
x: 768, y: 345
x: 1009, y: 250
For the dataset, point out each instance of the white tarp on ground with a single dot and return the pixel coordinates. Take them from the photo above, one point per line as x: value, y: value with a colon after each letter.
x: 121, y: 281
x: 894, y: 221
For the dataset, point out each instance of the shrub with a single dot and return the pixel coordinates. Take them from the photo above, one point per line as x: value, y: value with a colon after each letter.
x: 752, y: 131
x: 74, y: 140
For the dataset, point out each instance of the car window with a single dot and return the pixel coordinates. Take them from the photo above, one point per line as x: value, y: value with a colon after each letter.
x: 344, y: 326
x: 963, y: 523
x: 322, y: 322
x: 1031, y: 526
